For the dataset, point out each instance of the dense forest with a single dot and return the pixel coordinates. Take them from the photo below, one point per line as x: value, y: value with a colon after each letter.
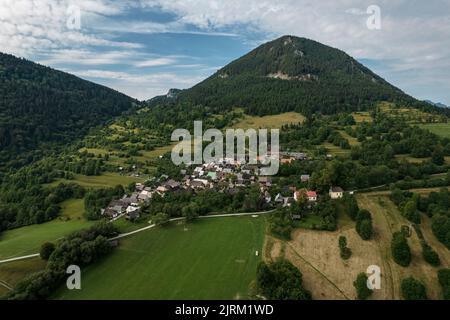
x: 42, y: 108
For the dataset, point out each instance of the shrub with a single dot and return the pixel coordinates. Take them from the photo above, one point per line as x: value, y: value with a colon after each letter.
x: 281, y: 281
x: 360, y: 284
x: 413, y: 289
x: 444, y: 281
x: 364, y: 224
x: 429, y: 255
x: 344, y: 250
x: 46, y: 250
x: 400, y: 249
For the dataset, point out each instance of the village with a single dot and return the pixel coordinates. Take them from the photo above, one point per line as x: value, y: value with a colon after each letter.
x: 226, y: 175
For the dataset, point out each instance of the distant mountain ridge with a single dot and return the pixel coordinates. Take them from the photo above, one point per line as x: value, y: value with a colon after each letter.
x: 43, y: 105
x: 437, y: 104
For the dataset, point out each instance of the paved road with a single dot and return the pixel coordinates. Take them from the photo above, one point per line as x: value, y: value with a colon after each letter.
x: 123, y: 235
x: 20, y: 258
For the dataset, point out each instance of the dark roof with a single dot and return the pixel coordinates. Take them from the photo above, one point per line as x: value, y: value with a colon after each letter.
x: 336, y: 189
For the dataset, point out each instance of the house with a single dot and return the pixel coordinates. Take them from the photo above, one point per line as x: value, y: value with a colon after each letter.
x: 212, y: 175
x: 172, y: 185
x: 298, y: 195
x: 295, y: 155
x: 162, y: 189
x: 139, y: 187
x: 198, y: 171
x: 296, y: 216
x: 132, y: 213
x: 288, y: 201
x: 279, y: 198
x: 312, y: 196
x: 336, y: 192
x: 198, y: 183
x: 287, y: 160
x: 304, y: 178
x: 114, y: 209
x: 265, y: 181
x: 131, y: 200
x: 267, y: 197
x: 144, y: 196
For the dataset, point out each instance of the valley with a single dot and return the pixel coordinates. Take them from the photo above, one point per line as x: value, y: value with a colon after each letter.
x: 361, y: 166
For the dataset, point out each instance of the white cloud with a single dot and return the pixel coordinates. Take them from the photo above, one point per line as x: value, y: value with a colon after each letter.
x: 27, y: 27
x: 156, y: 62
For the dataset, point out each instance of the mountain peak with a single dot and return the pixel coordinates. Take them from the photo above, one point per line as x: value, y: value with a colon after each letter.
x: 294, y: 74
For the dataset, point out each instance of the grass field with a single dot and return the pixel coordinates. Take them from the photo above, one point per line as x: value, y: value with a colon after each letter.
x: 334, y: 150
x: 352, y: 141
x: 440, y: 129
x: 211, y: 259
x: 327, y: 276
x: 103, y: 181
x: 27, y: 240
x: 362, y: 116
x: 274, y: 121
x: 11, y: 273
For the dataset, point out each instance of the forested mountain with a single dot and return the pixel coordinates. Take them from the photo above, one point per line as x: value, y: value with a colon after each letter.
x: 41, y: 106
x: 293, y: 74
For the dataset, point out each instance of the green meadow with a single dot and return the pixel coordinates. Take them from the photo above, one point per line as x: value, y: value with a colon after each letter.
x: 105, y: 180
x: 440, y: 129
x: 208, y: 259
x: 27, y: 240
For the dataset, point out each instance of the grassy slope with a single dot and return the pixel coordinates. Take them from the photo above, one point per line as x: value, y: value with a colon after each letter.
x: 440, y: 129
x: 27, y: 240
x: 387, y: 219
x: 273, y: 121
x: 213, y: 259
x: 11, y: 273
x: 103, y: 181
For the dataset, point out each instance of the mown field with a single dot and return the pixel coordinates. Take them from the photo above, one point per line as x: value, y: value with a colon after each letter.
x: 27, y: 240
x: 105, y: 180
x: 273, y: 121
x: 440, y: 129
x: 208, y: 259
x: 327, y: 276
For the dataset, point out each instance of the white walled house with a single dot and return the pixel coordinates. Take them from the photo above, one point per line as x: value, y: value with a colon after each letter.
x: 336, y: 192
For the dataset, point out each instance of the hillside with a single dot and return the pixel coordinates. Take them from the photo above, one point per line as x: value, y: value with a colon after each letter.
x: 293, y: 74
x: 40, y: 105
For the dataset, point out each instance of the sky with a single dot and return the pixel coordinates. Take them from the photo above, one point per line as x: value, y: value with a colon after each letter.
x: 145, y: 47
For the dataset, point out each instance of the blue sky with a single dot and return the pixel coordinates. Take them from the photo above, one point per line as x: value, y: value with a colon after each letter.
x: 145, y: 47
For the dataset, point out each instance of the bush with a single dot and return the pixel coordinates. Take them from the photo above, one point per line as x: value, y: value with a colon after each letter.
x: 46, y: 250
x: 364, y: 229
x: 364, y: 224
x: 281, y: 224
x: 400, y: 249
x: 429, y: 255
x: 344, y: 250
x: 350, y: 206
x: 444, y: 281
x: 281, y: 281
x: 360, y: 284
x: 413, y: 289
